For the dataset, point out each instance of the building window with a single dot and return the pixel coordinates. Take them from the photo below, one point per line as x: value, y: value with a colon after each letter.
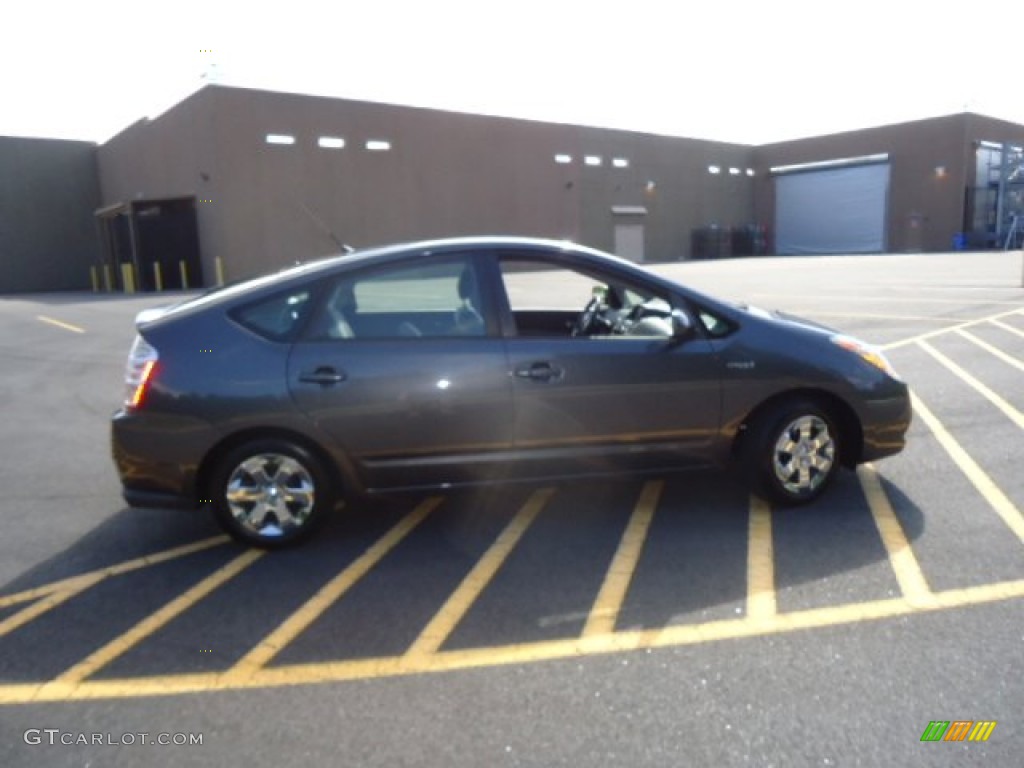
x: 750, y: 171
x: 563, y: 159
x: 331, y: 142
x: 714, y: 170
x: 378, y: 145
x: 734, y: 171
x: 280, y: 138
x: 592, y: 160
x: 621, y: 162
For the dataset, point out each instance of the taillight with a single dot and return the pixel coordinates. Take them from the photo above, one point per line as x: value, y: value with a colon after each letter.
x: 138, y: 372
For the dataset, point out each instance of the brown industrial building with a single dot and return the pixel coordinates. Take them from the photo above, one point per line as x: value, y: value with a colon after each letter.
x: 234, y: 181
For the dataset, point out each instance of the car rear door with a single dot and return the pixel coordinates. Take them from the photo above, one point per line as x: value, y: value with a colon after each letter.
x: 403, y: 369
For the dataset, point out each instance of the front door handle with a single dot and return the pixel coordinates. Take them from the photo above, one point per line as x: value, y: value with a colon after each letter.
x: 539, y: 372
x: 325, y: 375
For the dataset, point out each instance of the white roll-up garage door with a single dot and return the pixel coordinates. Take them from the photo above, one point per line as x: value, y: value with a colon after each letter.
x: 837, y: 210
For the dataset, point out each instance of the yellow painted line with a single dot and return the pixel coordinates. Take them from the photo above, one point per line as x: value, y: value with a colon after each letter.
x: 445, y: 661
x: 1007, y: 327
x: 1008, y: 410
x: 123, y: 643
x: 1008, y: 359
x: 461, y: 600
x: 942, y: 331
x: 309, y: 611
x: 620, y: 573
x: 59, y: 324
x: 760, y: 562
x: 112, y: 570
x: 911, y: 579
x: 46, y: 603
x: 984, y: 484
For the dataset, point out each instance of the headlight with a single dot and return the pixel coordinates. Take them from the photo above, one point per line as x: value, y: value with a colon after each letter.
x: 866, y: 352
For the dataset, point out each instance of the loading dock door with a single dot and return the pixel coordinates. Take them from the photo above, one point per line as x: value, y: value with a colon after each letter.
x: 838, y: 210
x: 158, y: 238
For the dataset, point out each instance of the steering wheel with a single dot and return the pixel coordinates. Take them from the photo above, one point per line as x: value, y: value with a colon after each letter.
x: 586, y: 317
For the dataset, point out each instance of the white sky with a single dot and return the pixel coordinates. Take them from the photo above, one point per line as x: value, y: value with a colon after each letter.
x: 732, y: 70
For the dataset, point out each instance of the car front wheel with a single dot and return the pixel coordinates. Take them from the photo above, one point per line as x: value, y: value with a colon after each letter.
x: 791, y: 453
x: 270, y: 493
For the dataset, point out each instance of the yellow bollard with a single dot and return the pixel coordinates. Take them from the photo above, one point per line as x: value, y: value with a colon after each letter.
x: 107, y: 282
x: 219, y: 264
x: 128, y: 278
x: 184, y: 275
x: 157, y: 277
x: 94, y: 279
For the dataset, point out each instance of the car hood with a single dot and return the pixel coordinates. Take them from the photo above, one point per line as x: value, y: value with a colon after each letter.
x: 785, y: 318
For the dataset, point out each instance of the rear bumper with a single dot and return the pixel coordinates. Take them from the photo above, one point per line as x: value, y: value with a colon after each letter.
x: 136, y: 497
x: 156, y: 460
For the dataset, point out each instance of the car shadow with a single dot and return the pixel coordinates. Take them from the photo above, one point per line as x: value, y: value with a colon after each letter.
x: 692, y: 567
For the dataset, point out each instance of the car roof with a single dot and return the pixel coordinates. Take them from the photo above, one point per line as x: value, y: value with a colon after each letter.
x: 272, y: 281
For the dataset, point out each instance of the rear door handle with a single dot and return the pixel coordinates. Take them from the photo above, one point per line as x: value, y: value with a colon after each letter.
x: 539, y: 372
x: 324, y: 376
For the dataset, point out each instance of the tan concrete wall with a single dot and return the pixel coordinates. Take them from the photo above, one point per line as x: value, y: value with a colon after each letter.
x: 446, y: 174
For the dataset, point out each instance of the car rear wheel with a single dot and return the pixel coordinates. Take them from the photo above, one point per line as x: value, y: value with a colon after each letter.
x: 791, y: 452
x: 270, y: 493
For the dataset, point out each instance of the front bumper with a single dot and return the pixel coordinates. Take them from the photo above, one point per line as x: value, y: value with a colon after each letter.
x: 885, y: 423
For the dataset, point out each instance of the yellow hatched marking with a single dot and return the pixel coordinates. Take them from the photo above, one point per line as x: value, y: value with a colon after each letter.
x: 984, y: 484
x: 46, y: 603
x: 616, y: 582
x: 461, y: 600
x: 1008, y: 359
x: 908, y: 573
x: 760, y: 562
x: 1007, y: 327
x: 120, y: 645
x: 443, y: 661
x: 306, y: 614
x: 60, y: 324
x: 111, y: 570
x: 941, y: 331
x: 1011, y: 413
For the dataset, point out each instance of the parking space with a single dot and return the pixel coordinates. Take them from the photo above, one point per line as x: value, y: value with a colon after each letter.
x: 521, y: 573
x: 143, y: 603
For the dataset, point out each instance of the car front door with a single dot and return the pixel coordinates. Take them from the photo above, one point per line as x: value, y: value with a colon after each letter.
x: 603, y: 400
x: 403, y: 369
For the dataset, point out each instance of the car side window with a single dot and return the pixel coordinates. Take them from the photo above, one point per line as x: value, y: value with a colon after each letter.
x: 275, y: 318
x: 714, y: 325
x: 552, y: 300
x: 407, y: 300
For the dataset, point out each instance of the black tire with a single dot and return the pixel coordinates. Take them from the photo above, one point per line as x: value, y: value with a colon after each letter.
x: 270, y: 493
x: 790, y: 453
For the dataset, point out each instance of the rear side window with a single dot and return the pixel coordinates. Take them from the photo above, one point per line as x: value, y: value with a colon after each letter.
x: 275, y: 318
x: 433, y: 299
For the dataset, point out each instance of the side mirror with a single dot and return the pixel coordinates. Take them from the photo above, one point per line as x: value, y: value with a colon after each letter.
x: 682, y: 325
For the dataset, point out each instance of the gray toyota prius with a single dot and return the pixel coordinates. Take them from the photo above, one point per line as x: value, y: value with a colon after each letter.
x: 476, y: 360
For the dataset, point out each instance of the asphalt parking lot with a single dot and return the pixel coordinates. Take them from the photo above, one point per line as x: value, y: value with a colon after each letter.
x: 648, y: 622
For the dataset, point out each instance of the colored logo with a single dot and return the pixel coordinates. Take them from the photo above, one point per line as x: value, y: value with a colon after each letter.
x: 958, y: 730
